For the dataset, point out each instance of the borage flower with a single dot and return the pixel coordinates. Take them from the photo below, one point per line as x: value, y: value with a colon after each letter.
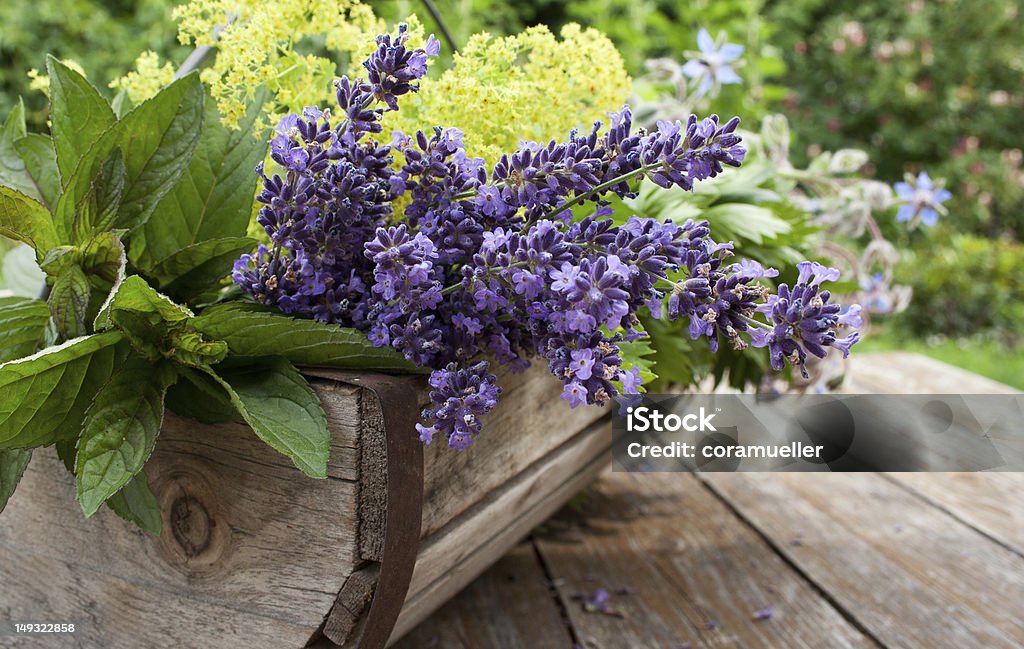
x: 920, y: 199
x: 712, y: 64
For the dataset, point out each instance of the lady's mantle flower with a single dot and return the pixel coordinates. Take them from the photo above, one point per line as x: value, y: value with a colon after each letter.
x: 712, y: 64
x: 921, y: 199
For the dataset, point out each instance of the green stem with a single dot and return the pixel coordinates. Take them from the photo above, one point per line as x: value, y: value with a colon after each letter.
x: 600, y: 189
x: 436, y: 15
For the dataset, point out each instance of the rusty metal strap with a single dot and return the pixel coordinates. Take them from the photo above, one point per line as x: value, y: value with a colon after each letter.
x: 402, y: 527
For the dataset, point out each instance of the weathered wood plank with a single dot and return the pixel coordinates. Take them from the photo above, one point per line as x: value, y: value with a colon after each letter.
x: 529, y: 422
x: 245, y: 534
x: 907, y: 373
x: 696, y: 572
x: 508, y: 607
x: 908, y: 573
x: 451, y: 558
x: 112, y: 612
x: 992, y: 503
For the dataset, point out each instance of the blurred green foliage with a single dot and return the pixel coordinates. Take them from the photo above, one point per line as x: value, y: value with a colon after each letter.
x: 921, y: 85
x: 963, y: 285
x: 103, y: 36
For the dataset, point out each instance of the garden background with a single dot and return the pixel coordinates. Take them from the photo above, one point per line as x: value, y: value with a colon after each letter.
x: 918, y: 86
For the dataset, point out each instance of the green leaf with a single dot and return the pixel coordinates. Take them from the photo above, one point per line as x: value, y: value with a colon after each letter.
x: 744, y: 221
x: 120, y: 430
x: 97, y: 211
x: 254, y: 331
x: 26, y: 220
x: 190, y: 348
x: 199, y: 266
x: 22, y: 275
x: 202, y: 398
x: 639, y: 354
x: 12, y: 167
x: 275, y: 400
x: 41, y: 166
x: 136, y: 504
x: 69, y: 301
x: 66, y: 452
x: 79, y: 115
x: 104, y: 256
x: 143, y: 314
x: 156, y: 139
x: 22, y: 327
x: 43, y: 397
x: 13, y: 463
x: 214, y: 198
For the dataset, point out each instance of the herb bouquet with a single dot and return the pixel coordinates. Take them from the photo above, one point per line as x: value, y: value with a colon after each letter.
x: 382, y: 252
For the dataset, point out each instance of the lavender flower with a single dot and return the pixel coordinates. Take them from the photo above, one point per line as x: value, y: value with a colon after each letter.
x: 505, y: 261
x: 458, y: 399
x: 712, y: 64
x: 920, y: 199
x: 803, y: 320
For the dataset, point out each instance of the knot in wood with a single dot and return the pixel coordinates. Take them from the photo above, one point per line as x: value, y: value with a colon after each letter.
x: 191, y: 525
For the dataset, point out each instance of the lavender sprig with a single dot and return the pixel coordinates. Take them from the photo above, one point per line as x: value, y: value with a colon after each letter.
x: 495, y: 261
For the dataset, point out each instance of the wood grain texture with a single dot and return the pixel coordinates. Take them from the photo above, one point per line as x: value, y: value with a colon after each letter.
x: 695, y: 573
x: 529, y: 422
x: 510, y: 606
x: 992, y: 503
x: 454, y: 556
x: 909, y: 573
x: 246, y: 536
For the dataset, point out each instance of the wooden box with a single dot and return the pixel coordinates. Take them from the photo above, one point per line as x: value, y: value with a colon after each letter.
x: 254, y: 554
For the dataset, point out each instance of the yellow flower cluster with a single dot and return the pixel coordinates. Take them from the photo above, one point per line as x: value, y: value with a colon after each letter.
x: 531, y: 85
x: 41, y: 82
x: 147, y: 78
x: 260, y: 42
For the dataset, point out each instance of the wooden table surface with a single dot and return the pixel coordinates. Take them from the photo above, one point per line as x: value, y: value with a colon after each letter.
x: 748, y: 560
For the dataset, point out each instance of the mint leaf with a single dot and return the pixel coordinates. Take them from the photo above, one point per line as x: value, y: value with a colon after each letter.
x: 190, y: 348
x: 22, y: 327
x: 120, y: 430
x: 22, y: 275
x: 253, y: 331
x: 145, y: 316
x: 104, y: 257
x: 214, y: 198
x: 79, y: 115
x: 26, y: 220
x: 43, y: 397
x: 97, y: 211
x: 200, y: 266
x: 12, y: 167
x: 202, y: 398
x: 40, y: 161
x: 69, y: 301
x: 156, y: 140
x: 66, y: 452
x: 136, y: 504
x: 275, y: 400
x: 13, y: 463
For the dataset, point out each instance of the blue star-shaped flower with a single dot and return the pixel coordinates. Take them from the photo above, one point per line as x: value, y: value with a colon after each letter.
x: 712, y: 64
